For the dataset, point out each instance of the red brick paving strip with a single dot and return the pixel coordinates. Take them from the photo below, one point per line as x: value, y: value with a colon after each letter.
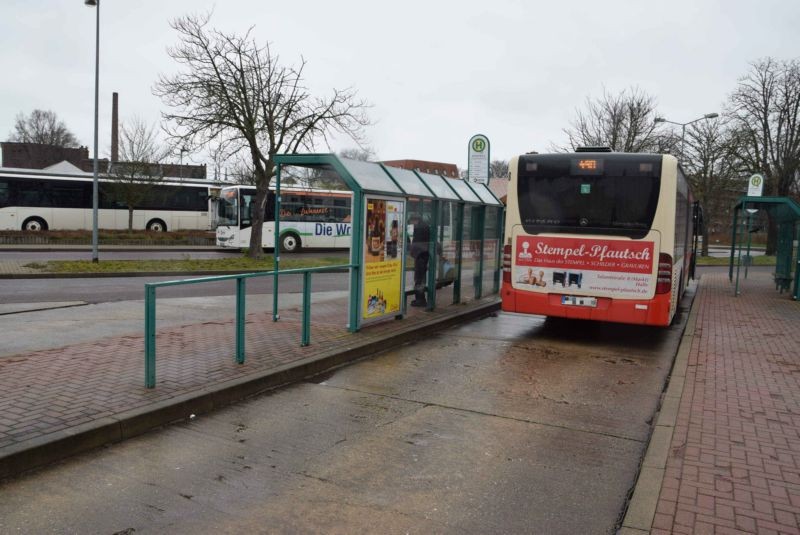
x: 734, y: 462
x: 51, y: 390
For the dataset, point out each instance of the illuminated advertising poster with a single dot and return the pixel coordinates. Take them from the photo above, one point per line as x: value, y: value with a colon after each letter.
x: 383, y: 258
x: 585, y: 266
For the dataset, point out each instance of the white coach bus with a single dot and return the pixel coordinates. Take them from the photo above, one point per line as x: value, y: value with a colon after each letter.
x: 35, y: 200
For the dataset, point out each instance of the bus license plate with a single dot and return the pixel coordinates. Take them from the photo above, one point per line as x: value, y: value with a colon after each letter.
x: 574, y: 300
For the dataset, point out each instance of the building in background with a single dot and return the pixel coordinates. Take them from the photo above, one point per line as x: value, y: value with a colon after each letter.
x: 65, y: 160
x: 53, y: 158
x: 435, y: 168
x: 499, y: 186
x: 41, y: 156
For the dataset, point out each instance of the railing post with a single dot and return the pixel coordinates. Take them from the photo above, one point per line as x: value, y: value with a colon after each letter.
x: 240, y: 319
x: 149, y: 336
x: 306, y: 331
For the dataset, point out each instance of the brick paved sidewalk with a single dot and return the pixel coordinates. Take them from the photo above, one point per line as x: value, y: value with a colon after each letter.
x: 52, y: 394
x: 734, y: 460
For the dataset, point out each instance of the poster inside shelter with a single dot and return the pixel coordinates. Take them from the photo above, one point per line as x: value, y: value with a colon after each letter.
x: 383, y: 258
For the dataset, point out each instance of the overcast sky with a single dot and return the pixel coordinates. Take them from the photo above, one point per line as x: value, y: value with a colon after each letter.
x: 435, y: 72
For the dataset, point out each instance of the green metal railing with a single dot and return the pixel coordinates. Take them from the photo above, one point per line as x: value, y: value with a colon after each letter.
x: 150, y: 309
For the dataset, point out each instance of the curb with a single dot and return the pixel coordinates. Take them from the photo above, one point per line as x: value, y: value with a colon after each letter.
x: 57, y: 446
x: 52, y: 248
x: 642, y: 506
x: 23, y: 308
x: 127, y: 274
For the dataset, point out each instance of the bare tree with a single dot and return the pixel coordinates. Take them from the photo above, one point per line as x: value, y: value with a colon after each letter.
x: 624, y: 122
x: 135, y: 176
x: 42, y: 126
x: 363, y: 154
x: 499, y: 169
x: 766, y: 111
x: 235, y: 92
x: 239, y: 169
x: 714, y: 172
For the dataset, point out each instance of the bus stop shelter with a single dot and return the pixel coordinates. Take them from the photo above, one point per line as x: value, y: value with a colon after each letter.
x: 785, y: 214
x: 465, y: 222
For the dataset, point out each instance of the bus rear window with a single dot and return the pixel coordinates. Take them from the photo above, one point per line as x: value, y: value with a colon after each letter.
x: 609, y: 194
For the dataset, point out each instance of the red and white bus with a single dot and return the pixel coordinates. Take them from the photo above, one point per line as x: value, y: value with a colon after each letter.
x: 597, y: 235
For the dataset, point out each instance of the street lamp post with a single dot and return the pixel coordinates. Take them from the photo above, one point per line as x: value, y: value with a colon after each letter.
x: 95, y: 187
x: 683, y: 126
x: 180, y: 169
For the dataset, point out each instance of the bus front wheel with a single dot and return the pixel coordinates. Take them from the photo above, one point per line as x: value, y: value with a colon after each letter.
x: 290, y: 243
x: 34, y: 224
x: 156, y: 225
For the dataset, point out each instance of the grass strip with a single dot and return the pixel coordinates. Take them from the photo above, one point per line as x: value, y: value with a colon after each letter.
x: 181, y: 265
x: 761, y: 260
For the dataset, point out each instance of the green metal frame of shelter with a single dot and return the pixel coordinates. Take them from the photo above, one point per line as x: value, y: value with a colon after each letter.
x: 785, y: 213
x: 363, y: 179
x: 367, y: 178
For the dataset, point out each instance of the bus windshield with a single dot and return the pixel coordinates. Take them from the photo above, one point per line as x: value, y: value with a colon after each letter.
x: 228, y: 207
x: 588, y: 194
x: 237, y: 207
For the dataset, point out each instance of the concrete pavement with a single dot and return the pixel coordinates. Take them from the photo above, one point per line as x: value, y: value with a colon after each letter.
x: 72, y: 376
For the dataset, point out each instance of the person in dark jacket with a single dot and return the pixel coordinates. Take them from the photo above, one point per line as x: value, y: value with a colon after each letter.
x: 421, y: 255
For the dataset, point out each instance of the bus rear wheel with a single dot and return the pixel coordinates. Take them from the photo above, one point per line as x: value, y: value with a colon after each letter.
x: 34, y: 224
x: 290, y: 243
x: 156, y: 225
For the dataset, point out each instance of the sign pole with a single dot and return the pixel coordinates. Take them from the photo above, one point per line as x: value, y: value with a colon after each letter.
x: 755, y: 188
x: 748, y: 258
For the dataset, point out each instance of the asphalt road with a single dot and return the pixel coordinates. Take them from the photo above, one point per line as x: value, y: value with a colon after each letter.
x: 177, y: 253
x: 108, y: 289
x: 509, y: 424
x: 43, y: 256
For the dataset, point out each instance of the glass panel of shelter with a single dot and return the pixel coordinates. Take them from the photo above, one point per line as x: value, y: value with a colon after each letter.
x: 491, y: 244
x: 409, y: 181
x: 371, y: 177
x: 447, y: 269
x: 447, y: 245
x: 469, y: 266
x: 422, y: 208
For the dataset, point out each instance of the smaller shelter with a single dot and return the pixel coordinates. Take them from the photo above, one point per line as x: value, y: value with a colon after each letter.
x: 785, y: 213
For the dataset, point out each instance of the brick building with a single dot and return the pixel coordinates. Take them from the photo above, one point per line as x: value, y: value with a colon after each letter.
x: 41, y: 156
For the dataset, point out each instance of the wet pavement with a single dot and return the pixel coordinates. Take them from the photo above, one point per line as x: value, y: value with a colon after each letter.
x: 508, y: 424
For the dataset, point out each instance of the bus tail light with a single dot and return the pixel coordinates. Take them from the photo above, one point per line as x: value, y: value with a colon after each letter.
x: 664, y: 280
x: 507, y: 263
